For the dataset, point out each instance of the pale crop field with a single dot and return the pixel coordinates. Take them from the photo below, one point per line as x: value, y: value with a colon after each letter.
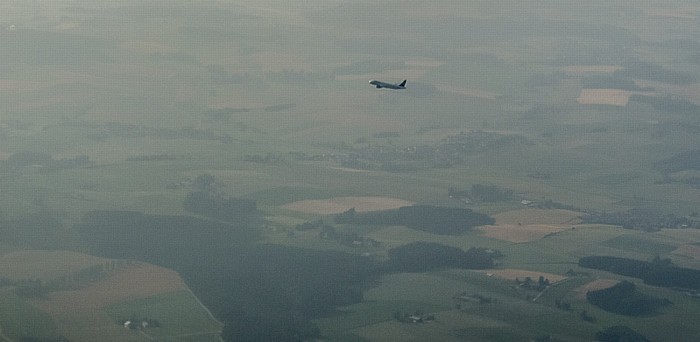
x: 137, y: 280
x: 530, y: 224
x: 538, y: 216
x: 692, y: 251
x: 522, y: 233
x: 614, y: 97
x: 338, y: 205
x: 44, y: 265
x: 580, y: 70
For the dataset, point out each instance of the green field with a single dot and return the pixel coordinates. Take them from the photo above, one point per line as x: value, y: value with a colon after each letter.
x: 21, y: 320
x: 182, y: 316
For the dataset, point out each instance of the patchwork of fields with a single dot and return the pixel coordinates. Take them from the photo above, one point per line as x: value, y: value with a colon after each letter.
x: 126, y: 111
x: 82, y: 306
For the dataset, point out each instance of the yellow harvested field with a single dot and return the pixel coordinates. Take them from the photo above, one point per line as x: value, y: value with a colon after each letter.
x: 687, y: 235
x: 594, y: 285
x: 133, y: 281
x: 340, y: 204
x: 511, y: 274
x: 614, y: 97
x: 692, y: 251
x: 521, y: 233
x: 580, y: 70
x: 526, y: 225
x: 538, y: 216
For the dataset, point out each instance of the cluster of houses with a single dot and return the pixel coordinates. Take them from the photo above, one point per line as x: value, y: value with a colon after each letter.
x: 416, y: 317
x: 473, y: 298
x: 541, y: 284
x: 138, y: 324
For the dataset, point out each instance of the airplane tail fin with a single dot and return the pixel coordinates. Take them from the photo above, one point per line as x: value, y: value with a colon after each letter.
x: 403, y: 84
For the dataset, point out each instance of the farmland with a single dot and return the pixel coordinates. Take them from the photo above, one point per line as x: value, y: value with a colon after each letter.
x: 117, y: 116
x: 341, y: 204
x: 80, y: 308
x: 612, y: 97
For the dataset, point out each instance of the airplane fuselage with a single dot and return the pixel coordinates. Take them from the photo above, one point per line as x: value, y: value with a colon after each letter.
x: 380, y: 84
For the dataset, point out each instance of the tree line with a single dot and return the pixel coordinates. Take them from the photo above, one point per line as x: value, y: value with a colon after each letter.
x: 426, y: 256
x: 640, y: 219
x: 219, y: 207
x: 689, y: 160
x: 667, y: 103
x: 43, y: 161
x: 657, y: 273
x: 619, y: 333
x: 36, y: 288
x: 624, y: 299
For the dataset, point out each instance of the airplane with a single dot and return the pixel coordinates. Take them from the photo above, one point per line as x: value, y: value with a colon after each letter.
x: 380, y: 84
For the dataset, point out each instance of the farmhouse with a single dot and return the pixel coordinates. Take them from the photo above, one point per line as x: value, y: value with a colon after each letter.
x: 138, y: 324
x: 417, y: 317
x: 473, y: 298
x: 420, y: 318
